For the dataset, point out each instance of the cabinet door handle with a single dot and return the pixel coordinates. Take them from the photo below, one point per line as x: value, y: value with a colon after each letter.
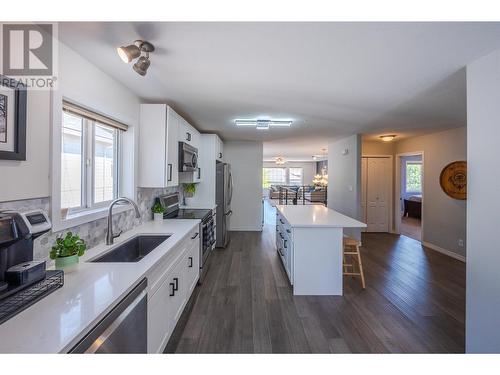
x: 284, y: 243
x: 196, y: 235
x: 176, y: 285
x: 220, y: 155
x: 190, y: 262
x: 282, y: 222
x: 169, y: 172
x: 288, y: 231
x: 172, y: 292
x: 188, y: 136
x: 199, y: 173
x: 281, y: 235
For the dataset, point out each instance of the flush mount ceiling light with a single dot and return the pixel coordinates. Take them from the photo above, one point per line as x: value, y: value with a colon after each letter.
x: 388, y: 137
x: 280, y: 161
x: 134, y: 51
x: 263, y: 124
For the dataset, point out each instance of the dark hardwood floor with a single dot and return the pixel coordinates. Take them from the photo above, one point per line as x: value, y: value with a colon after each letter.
x: 414, y: 303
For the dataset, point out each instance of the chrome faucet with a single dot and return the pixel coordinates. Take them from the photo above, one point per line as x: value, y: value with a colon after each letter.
x: 109, y: 234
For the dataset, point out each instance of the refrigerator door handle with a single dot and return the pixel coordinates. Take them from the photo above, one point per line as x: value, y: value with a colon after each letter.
x: 230, y: 188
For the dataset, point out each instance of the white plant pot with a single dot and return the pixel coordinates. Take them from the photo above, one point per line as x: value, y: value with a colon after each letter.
x: 158, y: 217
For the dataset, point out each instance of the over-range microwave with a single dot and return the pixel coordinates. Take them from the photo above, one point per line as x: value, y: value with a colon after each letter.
x: 188, y: 157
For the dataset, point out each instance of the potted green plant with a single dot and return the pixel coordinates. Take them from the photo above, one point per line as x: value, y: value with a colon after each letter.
x: 158, y: 211
x: 189, y: 190
x: 67, y: 250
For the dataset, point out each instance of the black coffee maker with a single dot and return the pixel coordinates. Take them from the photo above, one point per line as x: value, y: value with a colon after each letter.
x: 17, y: 268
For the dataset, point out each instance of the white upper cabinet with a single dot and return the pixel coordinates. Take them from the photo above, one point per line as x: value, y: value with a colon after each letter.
x: 219, y: 149
x: 188, y: 134
x: 158, y: 146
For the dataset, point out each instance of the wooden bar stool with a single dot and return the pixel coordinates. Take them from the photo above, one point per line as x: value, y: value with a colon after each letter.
x: 351, y: 249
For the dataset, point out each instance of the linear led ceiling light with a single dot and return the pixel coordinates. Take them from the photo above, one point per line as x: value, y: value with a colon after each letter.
x: 263, y: 124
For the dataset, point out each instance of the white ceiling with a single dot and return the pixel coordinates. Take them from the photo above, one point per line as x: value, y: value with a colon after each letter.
x: 332, y: 79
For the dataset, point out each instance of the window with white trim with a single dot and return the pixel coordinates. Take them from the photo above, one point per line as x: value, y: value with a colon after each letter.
x: 413, y: 183
x: 90, y: 161
x: 273, y: 176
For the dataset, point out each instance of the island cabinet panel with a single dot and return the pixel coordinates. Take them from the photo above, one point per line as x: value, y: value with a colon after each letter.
x: 317, y: 261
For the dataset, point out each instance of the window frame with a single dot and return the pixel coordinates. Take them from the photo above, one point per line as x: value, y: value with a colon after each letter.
x: 127, y: 186
x: 413, y: 162
x: 88, y: 163
x: 273, y: 183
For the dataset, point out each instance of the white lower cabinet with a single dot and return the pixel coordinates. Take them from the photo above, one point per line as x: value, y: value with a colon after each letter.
x: 168, y: 301
x: 284, y: 245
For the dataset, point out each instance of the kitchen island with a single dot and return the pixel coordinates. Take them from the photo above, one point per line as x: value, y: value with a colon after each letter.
x: 309, y: 243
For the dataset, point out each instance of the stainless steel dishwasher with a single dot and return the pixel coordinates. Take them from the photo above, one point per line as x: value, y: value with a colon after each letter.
x: 123, y: 330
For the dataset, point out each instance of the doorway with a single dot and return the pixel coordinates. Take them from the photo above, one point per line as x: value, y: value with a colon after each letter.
x: 410, y: 194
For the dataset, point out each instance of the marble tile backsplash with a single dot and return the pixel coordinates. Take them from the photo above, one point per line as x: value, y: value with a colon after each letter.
x: 93, y: 232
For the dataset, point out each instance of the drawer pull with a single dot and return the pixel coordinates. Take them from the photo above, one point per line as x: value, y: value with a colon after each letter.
x: 288, y: 231
x: 190, y: 262
x: 176, y: 285
x: 196, y: 235
x: 172, y: 293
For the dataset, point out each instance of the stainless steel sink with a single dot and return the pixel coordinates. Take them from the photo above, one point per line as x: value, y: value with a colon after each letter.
x: 132, y: 250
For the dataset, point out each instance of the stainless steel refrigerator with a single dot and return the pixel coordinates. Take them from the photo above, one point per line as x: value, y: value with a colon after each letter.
x: 223, y: 196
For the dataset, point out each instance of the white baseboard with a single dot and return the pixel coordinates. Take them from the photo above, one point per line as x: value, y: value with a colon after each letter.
x: 444, y: 251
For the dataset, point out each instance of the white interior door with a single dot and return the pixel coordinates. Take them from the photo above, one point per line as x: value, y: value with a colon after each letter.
x: 363, y: 188
x: 378, y: 180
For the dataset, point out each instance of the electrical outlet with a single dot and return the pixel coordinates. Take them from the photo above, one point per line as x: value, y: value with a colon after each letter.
x: 460, y: 242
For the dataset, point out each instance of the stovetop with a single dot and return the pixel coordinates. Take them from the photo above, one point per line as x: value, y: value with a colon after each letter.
x: 185, y: 213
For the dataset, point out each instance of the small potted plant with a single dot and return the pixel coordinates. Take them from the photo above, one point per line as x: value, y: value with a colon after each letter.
x: 189, y: 190
x: 67, y: 250
x: 158, y: 211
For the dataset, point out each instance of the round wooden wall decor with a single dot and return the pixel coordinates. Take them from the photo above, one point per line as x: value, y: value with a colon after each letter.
x: 453, y: 179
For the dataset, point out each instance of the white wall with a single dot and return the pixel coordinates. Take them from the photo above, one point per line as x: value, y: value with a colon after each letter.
x: 344, y: 179
x: 483, y: 205
x: 30, y: 178
x: 246, y: 166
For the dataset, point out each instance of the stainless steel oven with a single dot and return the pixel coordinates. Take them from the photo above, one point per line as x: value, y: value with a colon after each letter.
x: 188, y: 158
x: 207, y: 243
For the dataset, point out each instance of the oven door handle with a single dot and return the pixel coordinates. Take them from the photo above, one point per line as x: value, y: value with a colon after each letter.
x: 210, y: 221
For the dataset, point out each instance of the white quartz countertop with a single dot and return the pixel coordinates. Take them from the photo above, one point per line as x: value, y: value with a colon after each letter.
x: 59, y: 321
x: 317, y: 216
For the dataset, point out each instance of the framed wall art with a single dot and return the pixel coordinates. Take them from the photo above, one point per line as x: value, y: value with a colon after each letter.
x: 453, y: 180
x: 12, y: 119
